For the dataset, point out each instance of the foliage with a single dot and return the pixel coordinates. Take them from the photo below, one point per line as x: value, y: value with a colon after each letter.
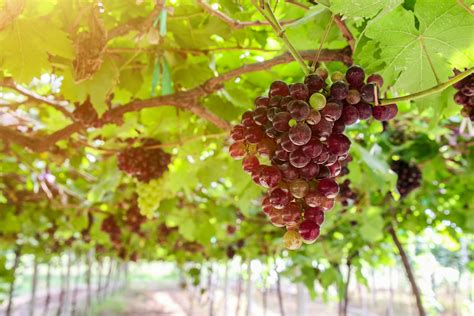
x: 148, y: 70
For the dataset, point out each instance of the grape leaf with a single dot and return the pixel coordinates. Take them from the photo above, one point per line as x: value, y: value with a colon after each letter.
x: 363, y: 8
x: 29, y: 43
x: 408, y: 55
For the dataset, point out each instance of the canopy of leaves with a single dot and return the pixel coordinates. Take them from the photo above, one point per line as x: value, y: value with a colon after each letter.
x: 182, y: 72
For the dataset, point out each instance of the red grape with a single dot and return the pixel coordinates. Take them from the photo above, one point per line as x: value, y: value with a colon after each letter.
x: 300, y: 134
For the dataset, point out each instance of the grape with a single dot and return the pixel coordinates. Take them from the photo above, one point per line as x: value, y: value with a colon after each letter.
x: 367, y: 92
x: 337, y: 76
x: 464, y: 97
x: 335, y: 169
x: 279, y: 198
x: 309, y: 230
x: 299, y: 91
x: 250, y: 164
x: 309, y: 171
x: 460, y: 98
x: 275, y: 218
x: 285, y: 101
x: 256, y: 174
x: 328, y: 187
x: 392, y: 111
x: 266, y: 147
x: 314, y: 83
x: 409, y: 176
x: 355, y: 76
x: 326, y: 203
x: 468, y: 89
x: 300, y: 134
x: 331, y: 160
x: 291, y: 214
x: 313, y: 198
x: 332, y: 111
x: 317, y: 101
x: 267, y: 206
x: 315, y: 214
x: 349, y: 115
x: 145, y: 162
x: 289, y: 172
x: 270, y: 176
x: 292, y: 240
x: 278, y: 88
x: 338, y: 144
x: 275, y: 101
x: 281, y: 121
x: 353, y: 97
x: 377, y: 79
x: 380, y: 113
x: 272, y: 132
x: 321, y: 72
x: 260, y: 116
x: 339, y: 90
x: 287, y: 144
x: 299, y: 188
x: 313, y: 117
x: 298, y: 159
x: 261, y: 101
x: 298, y: 109
x: 339, y: 126
x: 254, y: 134
x: 312, y: 149
x: 281, y: 154
x: 364, y: 110
x: 237, y: 133
x: 247, y: 119
x: 323, y: 156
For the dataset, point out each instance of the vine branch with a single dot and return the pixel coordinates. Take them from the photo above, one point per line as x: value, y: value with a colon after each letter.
x: 345, y: 31
x: 30, y: 95
x: 430, y: 91
x: 233, y: 23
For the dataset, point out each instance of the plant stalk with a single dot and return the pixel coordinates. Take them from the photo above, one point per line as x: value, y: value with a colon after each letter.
x: 268, y: 14
x: 430, y: 91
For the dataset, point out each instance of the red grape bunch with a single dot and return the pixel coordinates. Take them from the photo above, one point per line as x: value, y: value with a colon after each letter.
x: 134, y: 218
x: 293, y: 144
x: 110, y: 226
x: 144, y: 163
x: 409, y: 177
x: 465, y: 95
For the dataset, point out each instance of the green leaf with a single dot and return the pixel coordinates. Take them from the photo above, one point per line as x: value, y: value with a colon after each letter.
x: 29, y: 43
x: 363, y: 8
x: 409, y: 53
x: 371, y: 228
x: 98, y: 87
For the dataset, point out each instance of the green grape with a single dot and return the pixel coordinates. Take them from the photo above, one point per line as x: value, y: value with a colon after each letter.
x: 338, y: 76
x: 317, y: 101
x: 150, y: 195
x: 292, y: 240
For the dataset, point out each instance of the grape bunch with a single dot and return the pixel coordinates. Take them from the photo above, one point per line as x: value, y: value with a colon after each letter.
x: 110, y: 226
x: 346, y: 195
x: 133, y: 217
x: 409, y: 176
x: 293, y: 144
x: 465, y: 95
x: 144, y: 162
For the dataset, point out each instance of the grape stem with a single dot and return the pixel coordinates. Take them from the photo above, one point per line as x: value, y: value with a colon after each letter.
x: 268, y: 14
x: 430, y: 91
